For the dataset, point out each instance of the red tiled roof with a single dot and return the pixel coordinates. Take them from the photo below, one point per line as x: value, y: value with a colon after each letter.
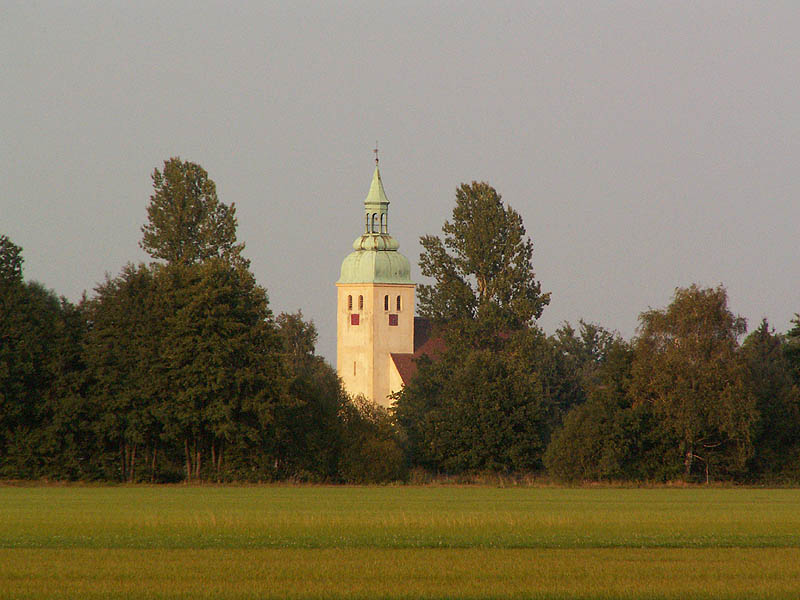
x: 426, y: 341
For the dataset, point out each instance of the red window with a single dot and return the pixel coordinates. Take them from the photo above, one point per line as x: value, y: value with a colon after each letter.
x: 393, y: 320
x: 354, y: 319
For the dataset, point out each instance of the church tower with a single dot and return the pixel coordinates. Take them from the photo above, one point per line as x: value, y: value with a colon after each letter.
x: 375, y: 307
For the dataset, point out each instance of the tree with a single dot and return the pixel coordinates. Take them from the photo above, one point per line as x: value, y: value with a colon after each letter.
x: 776, y: 435
x: 308, y: 422
x: 587, y: 348
x: 482, y: 267
x: 122, y: 354
x: 187, y: 223
x: 30, y: 342
x: 10, y: 262
x: 687, y: 368
x: 792, y: 348
x: 487, y: 402
x: 66, y: 444
x: 371, y: 452
x: 40, y: 336
x: 476, y: 409
x: 607, y: 437
x: 220, y: 377
x: 298, y: 337
x: 580, y: 356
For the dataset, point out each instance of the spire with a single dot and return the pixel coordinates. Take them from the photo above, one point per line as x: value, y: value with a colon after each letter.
x: 376, y: 195
x: 375, y: 258
x: 376, y: 205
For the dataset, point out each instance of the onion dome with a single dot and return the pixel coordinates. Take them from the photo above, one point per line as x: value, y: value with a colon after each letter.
x: 375, y: 258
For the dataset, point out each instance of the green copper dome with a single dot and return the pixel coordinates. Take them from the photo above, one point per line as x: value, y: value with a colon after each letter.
x: 375, y: 258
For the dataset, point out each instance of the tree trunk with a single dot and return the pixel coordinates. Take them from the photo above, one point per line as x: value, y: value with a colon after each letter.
x: 687, y: 463
x: 132, y: 471
x: 123, y: 450
x: 196, y: 461
x: 188, y: 459
x: 705, y: 462
x: 688, y: 456
x: 153, y: 464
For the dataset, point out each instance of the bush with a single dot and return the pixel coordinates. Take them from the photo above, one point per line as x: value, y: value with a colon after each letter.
x: 371, y: 451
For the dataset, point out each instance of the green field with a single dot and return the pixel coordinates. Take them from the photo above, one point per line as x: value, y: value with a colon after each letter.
x: 398, y: 542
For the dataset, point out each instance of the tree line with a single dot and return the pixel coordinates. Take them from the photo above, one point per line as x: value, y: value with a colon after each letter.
x: 689, y: 398
x: 178, y: 370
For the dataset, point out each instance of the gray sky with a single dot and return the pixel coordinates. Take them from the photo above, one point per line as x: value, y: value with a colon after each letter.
x: 647, y: 145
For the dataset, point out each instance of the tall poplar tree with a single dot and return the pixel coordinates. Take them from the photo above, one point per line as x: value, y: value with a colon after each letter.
x: 486, y: 402
x: 482, y: 267
x: 187, y: 223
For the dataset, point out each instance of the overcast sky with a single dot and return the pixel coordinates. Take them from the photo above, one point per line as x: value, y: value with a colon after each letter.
x: 647, y: 145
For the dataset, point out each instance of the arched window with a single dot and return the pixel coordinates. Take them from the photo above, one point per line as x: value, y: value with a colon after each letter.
x: 383, y: 223
x: 349, y: 303
x: 361, y: 303
x: 386, y: 302
x: 374, y: 222
x: 366, y: 223
x: 398, y: 304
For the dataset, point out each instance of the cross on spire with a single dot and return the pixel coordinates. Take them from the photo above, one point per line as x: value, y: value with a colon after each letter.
x: 376, y: 153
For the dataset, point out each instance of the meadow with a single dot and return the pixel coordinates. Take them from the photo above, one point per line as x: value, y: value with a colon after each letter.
x: 398, y: 542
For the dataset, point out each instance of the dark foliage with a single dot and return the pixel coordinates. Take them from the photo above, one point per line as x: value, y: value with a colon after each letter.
x: 776, y: 435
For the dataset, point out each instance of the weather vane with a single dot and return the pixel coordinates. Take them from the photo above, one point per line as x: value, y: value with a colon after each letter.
x: 376, y: 153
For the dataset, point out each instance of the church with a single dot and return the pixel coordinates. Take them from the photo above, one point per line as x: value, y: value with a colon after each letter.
x: 377, y: 336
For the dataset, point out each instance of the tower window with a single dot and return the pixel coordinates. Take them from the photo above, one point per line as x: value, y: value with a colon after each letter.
x: 366, y: 223
x: 383, y: 223
x: 354, y: 319
x: 386, y: 302
x: 361, y: 303
x: 354, y: 368
x: 392, y: 320
x: 398, y: 304
x: 374, y: 222
x: 350, y: 303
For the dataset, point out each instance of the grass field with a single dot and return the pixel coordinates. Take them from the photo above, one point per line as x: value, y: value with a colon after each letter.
x: 398, y: 542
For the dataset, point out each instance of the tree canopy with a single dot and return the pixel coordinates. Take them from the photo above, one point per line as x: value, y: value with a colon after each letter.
x: 38, y: 356
x: 177, y: 370
x: 10, y: 261
x: 793, y: 348
x: 482, y: 267
x: 486, y: 403
x: 187, y: 223
x: 776, y: 436
x: 687, y: 368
